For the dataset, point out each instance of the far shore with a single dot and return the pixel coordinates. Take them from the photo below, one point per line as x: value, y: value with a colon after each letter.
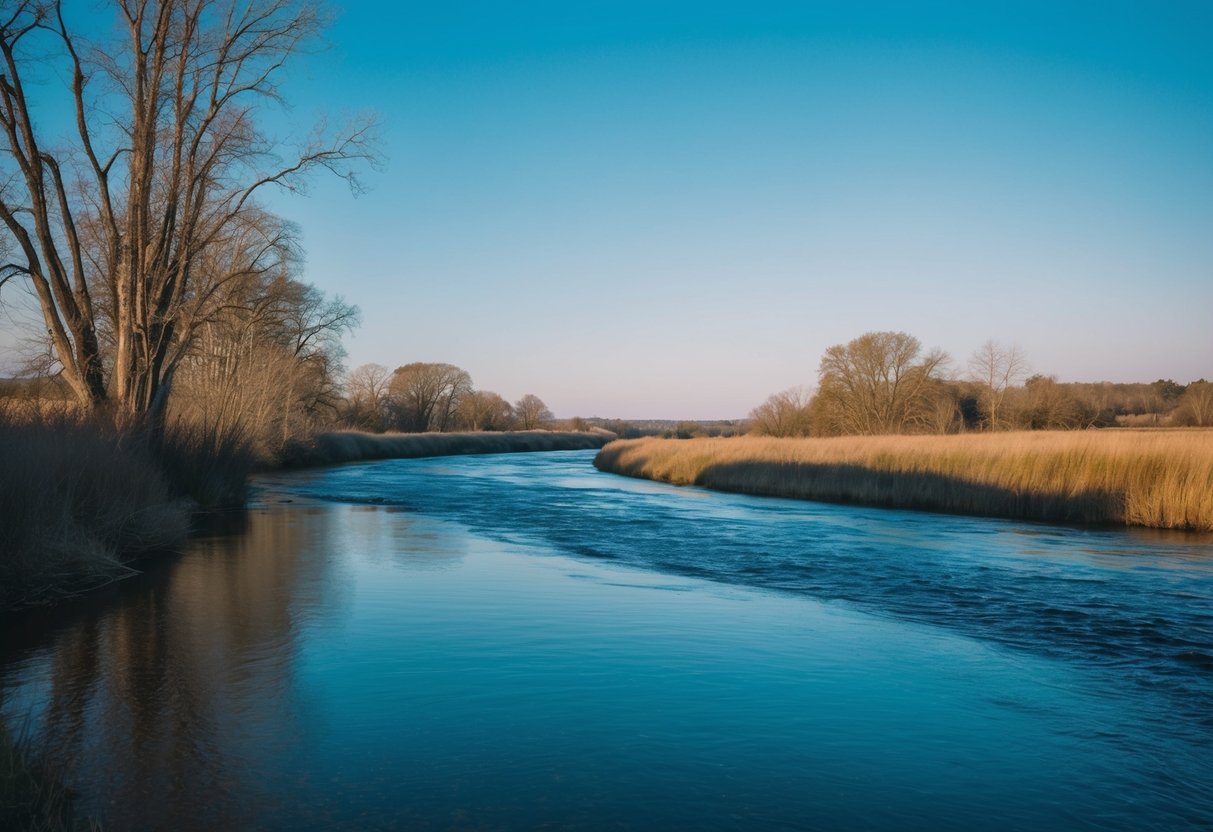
x: 340, y: 447
x: 1152, y: 479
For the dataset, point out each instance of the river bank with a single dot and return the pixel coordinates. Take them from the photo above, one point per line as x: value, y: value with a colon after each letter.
x: 1150, y: 478
x: 337, y: 447
x: 84, y: 502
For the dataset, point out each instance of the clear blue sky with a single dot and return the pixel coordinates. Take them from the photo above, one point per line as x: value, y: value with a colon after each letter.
x: 671, y: 209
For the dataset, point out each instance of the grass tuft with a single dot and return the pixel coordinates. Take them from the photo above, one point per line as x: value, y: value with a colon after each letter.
x: 1154, y: 478
x: 33, y: 795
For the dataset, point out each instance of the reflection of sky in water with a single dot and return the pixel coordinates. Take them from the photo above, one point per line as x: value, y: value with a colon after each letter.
x: 409, y: 541
x: 598, y: 652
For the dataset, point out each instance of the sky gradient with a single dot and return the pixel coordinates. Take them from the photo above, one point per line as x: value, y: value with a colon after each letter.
x: 670, y: 210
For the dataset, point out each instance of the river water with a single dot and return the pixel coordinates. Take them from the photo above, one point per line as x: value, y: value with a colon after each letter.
x: 520, y: 641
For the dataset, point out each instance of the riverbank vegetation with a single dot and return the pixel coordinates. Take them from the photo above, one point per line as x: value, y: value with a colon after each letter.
x: 32, y: 792
x: 887, y: 383
x: 83, y: 499
x: 433, y: 397
x: 171, y: 337
x: 355, y: 446
x: 1152, y: 478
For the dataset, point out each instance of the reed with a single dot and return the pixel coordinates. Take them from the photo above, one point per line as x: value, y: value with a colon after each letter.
x: 79, y: 501
x: 32, y: 791
x: 1153, y: 478
x: 356, y: 446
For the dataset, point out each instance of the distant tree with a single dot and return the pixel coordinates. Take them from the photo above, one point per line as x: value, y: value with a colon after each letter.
x: 426, y: 397
x: 622, y: 429
x: 881, y: 382
x: 1049, y: 405
x: 686, y: 429
x: 1168, y: 390
x: 485, y: 410
x: 1195, y: 408
x: 531, y: 411
x: 368, y: 396
x: 947, y: 400
x: 783, y: 414
x: 996, y: 368
x: 579, y: 424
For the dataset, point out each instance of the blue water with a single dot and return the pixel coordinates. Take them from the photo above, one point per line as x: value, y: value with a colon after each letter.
x: 520, y: 641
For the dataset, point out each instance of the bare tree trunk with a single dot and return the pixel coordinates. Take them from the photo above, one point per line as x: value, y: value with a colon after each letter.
x: 177, y: 140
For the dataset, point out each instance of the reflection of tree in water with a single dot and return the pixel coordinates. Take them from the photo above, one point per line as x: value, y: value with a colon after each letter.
x: 160, y: 690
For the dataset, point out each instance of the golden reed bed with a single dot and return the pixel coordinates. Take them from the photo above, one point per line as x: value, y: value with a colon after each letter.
x: 1155, y: 478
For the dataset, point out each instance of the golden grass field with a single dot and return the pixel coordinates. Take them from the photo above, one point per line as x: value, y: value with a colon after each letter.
x: 1154, y: 478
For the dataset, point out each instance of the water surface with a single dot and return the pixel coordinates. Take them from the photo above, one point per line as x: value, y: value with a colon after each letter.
x: 520, y: 641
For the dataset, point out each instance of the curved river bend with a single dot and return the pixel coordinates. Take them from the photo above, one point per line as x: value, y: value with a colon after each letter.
x: 520, y: 641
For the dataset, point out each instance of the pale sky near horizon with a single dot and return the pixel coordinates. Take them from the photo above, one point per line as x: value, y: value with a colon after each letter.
x: 670, y: 210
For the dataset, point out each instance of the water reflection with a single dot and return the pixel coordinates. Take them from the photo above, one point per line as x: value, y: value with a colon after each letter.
x: 161, y: 684
x: 414, y: 543
x: 537, y: 644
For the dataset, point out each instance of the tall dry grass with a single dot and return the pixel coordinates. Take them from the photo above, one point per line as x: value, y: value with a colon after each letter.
x: 78, y: 502
x: 80, y: 498
x: 1154, y: 478
x: 207, y: 464
x: 356, y: 446
x: 33, y: 794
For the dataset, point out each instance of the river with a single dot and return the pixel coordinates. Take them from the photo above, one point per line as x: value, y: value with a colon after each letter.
x: 520, y: 641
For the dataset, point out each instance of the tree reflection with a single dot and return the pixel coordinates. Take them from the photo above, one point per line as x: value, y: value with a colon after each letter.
x: 164, y: 689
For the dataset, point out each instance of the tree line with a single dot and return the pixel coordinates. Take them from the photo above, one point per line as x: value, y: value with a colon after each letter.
x: 887, y: 383
x: 421, y: 396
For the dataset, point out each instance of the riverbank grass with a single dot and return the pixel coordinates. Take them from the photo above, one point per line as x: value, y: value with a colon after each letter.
x: 82, y: 499
x: 32, y: 792
x: 78, y: 502
x: 1152, y: 478
x: 356, y: 446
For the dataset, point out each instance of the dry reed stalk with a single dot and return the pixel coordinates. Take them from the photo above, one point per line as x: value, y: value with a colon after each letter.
x: 1154, y: 478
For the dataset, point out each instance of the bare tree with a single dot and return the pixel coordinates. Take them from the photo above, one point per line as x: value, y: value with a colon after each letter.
x: 426, y: 396
x: 265, y: 366
x: 944, y: 413
x: 1196, y: 405
x: 996, y: 369
x: 118, y: 233
x: 881, y: 382
x: 1048, y: 405
x: 783, y: 414
x: 485, y: 410
x: 367, y: 394
x: 531, y: 411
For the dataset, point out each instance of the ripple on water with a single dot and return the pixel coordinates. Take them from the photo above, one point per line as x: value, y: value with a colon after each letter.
x: 509, y: 642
